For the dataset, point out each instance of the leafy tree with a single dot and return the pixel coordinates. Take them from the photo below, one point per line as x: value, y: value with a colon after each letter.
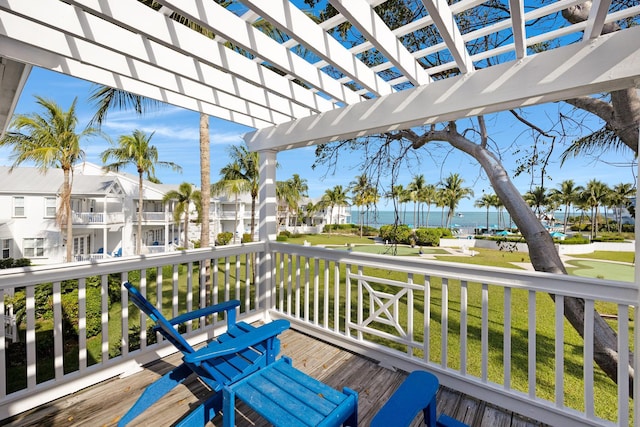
x: 621, y: 198
x: 621, y: 116
x: 49, y: 140
x: 536, y: 198
x: 595, y: 194
x: 184, y: 196
x: 250, y: 172
x: 136, y: 150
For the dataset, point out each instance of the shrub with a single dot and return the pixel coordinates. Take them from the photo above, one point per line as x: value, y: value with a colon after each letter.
x: 70, y: 312
x: 224, y: 238
x: 576, y: 239
x: 11, y: 263
x: 246, y: 238
x: 281, y: 238
x: 395, y: 234
x: 428, y: 236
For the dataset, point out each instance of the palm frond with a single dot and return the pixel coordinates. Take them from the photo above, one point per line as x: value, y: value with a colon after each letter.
x: 597, y: 142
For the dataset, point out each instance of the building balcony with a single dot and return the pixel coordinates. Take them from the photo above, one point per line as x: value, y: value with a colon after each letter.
x: 479, y: 329
x: 97, y: 218
x: 157, y: 217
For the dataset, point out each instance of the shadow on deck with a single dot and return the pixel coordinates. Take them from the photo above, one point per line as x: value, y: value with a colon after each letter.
x: 104, y: 404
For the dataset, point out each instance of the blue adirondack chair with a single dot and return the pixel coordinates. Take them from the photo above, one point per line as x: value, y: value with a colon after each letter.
x: 240, y: 351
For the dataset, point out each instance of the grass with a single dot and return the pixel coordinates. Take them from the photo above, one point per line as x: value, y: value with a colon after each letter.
x: 629, y: 257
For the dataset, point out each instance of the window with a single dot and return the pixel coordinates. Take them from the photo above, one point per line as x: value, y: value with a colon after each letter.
x: 33, y: 247
x: 49, y: 207
x: 6, y: 248
x: 18, y: 206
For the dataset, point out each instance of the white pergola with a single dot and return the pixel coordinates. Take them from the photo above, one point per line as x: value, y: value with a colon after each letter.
x: 329, y: 94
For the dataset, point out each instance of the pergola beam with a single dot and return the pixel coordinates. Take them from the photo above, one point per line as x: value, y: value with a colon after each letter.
x: 445, y: 22
x: 607, y: 63
x: 292, y: 21
x: 367, y: 21
x: 239, y: 32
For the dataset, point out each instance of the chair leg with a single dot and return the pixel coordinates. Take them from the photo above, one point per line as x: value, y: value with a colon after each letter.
x: 204, y: 413
x: 352, y: 421
x: 155, y: 391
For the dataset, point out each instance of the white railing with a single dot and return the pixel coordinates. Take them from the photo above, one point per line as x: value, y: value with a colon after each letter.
x: 84, y: 218
x: 92, y: 338
x: 479, y: 328
x: 156, y: 216
x: 488, y: 332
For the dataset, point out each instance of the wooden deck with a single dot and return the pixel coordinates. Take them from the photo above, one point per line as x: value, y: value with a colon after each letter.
x: 103, y: 404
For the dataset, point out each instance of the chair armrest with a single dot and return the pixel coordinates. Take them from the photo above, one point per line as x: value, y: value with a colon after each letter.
x: 251, y: 338
x: 217, y: 308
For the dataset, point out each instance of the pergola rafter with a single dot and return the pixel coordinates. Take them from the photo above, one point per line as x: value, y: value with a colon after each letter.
x: 241, y: 73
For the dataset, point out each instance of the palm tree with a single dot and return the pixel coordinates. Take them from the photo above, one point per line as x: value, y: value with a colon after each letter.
x: 250, y: 172
x: 299, y: 190
x: 486, y: 201
x: 536, y: 198
x: 184, y: 196
x: 232, y: 183
x: 136, y: 150
x: 453, y: 193
x: 621, y: 195
x: 414, y: 188
x: 335, y: 196
x: 595, y: 193
x: 50, y: 141
x: 427, y: 196
x: 360, y: 188
x: 567, y: 194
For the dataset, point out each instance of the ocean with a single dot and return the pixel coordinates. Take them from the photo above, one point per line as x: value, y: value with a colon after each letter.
x: 461, y: 220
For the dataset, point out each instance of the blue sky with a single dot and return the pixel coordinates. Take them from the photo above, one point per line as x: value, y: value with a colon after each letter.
x: 176, y: 136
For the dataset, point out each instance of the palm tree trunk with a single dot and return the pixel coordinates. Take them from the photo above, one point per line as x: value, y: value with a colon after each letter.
x: 68, y: 219
x: 205, y: 180
x: 139, y: 236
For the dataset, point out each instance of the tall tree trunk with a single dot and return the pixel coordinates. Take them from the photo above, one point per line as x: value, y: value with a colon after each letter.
x: 205, y: 180
x: 139, y: 236
x: 541, y: 248
x: 67, y: 219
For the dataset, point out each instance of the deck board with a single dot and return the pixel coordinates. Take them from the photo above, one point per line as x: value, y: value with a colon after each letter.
x: 103, y: 404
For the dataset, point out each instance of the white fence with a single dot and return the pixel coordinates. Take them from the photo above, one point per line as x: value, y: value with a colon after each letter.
x: 492, y: 333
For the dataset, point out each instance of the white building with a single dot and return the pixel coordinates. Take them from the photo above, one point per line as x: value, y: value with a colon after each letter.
x: 104, y: 206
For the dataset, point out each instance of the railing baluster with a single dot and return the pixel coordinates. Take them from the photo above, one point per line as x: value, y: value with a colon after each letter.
x: 347, y: 297
x: 82, y: 325
x: 247, y: 282
x: 410, y: 337
x: 316, y: 290
x: 463, y: 326
x: 124, y: 318
x: 281, y: 282
x: 623, y: 364
x: 58, y: 336
x: 444, y: 321
x: 227, y: 282
x: 506, y: 337
x: 325, y: 321
x: 559, y: 350
x: 336, y: 297
x: 306, y: 289
x: 143, y: 317
x: 532, y: 344
x: 484, y: 334
x: 104, y: 320
x: 189, y: 299
x: 297, y: 288
x: 289, y: 282
x: 238, y: 296
x: 175, y: 292
x: 589, y: 402
x: 426, y: 339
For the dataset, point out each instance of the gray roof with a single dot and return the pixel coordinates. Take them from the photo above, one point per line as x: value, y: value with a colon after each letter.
x: 30, y: 180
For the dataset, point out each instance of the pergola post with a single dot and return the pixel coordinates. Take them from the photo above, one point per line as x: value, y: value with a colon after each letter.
x: 267, y: 226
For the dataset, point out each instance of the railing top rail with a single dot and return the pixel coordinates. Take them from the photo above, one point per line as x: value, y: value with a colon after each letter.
x: 26, y: 276
x: 572, y: 286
